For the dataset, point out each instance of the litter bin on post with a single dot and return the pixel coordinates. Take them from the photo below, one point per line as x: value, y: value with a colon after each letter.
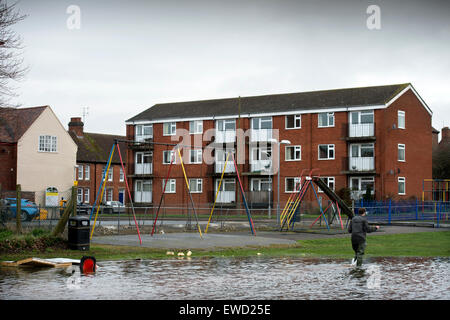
x: 79, y: 229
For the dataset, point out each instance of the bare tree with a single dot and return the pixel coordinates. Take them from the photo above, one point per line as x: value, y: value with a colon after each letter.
x: 11, y: 63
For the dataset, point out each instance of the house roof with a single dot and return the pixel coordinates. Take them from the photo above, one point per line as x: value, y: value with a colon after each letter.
x: 14, y: 122
x: 302, y: 101
x: 96, y: 147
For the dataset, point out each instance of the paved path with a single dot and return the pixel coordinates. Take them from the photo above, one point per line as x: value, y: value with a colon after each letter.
x: 186, y: 240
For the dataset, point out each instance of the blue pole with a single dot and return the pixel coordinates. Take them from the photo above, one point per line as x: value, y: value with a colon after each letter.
x: 103, y: 179
x: 320, y: 207
x: 389, y: 212
x: 417, y: 210
x: 438, y: 213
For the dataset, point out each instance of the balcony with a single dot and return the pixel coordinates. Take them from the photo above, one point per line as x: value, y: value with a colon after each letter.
x: 226, y: 197
x: 262, y: 166
x: 259, y: 199
x: 228, y: 136
x: 360, y: 165
x: 361, y: 132
x: 143, y: 168
x: 143, y: 196
x: 260, y: 135
x: 219, y: 166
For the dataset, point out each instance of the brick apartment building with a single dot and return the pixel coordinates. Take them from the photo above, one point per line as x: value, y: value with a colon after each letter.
x: 92, y: 158
x: 378, y: 137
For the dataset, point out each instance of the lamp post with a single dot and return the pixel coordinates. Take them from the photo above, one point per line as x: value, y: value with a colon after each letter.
x: 278, y: 178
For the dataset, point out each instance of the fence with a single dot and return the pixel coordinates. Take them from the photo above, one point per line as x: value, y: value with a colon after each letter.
x: 414, y: 210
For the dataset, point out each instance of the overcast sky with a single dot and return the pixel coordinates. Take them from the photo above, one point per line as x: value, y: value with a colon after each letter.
x: 129, y: 55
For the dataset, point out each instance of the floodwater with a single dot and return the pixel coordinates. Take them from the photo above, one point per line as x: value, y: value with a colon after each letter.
x: 235, y: 278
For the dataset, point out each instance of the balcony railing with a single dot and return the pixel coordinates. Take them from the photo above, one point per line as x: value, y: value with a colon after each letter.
x: 361, y: 130
x: 228, y: 136
x: 143, y: 168
x: 260, y: 199
x: 261, y: 166
x: 221, y: 164
x: 260, y: 135
x: 358, y: 164
x: 144, y: 138
x: 226, y: 197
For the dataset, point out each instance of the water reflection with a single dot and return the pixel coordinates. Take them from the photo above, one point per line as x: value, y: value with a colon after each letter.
x: 233, y: 278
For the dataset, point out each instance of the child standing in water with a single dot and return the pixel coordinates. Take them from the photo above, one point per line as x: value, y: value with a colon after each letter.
x: 358, y: 227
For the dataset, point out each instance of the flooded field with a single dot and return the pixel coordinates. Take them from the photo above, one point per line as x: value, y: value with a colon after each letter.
x: 233, y: 278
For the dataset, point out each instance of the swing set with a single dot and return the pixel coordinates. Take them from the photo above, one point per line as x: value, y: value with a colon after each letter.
x: 292, y: 208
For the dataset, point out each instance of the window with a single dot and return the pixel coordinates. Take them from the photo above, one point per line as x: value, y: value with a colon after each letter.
x: 167, y: 156
x: 226, y: 125
x: 362, y: 117
x: 292, y: 185
x: 293, y: 153
x: 86, y: 195
x: 109, y: 194
x: 110, y: 174
x: 293, y: 121
x: 47, y: 144
x: 361, y: 184
x: 80, y: 195
x: 87, y: 172
x: 195, y: 185
x: 227, y: 185
x: 169, y: 128
x: 195, y: 156
x: 144, y: 131
x: 326, y: 151
x: 401, y: 185
x: 260, y: 184
x: 80, y: 172
x: 401, y: 152
x: 171, y: 185
x: 143, y: 192
x: 329, y: 181
x: 262, y: 123
x: 401, y: 119
x: 362, y: 150
x: 121, y: 175
x: 195, y: 126
x: 326, y: 119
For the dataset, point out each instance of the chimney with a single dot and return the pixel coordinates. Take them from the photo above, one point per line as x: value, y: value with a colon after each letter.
x: 76, y: 126
x: 445, y: 134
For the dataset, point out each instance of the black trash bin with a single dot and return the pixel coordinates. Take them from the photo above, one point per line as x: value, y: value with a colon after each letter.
x: 79, y: 231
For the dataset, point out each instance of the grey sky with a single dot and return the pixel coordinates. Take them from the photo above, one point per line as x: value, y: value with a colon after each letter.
x: 130, y: 55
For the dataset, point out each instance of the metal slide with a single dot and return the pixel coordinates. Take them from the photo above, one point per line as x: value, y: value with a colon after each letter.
x: 333, y: 196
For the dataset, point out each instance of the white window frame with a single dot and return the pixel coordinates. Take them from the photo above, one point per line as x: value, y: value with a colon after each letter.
x: 109, y: 194
x: 360, y: 114
x: 329, y: 147
x: 198, y: 182
x: 259, y: 121
x: 111, y: 174
x: 87, y: 172
x: 172, y: 128
x: 225, y: 183
x: 171, y: 186
x: 259, y: 182
x: 296, y: 149
x: 330, y: 115
x: 121, y: 175
x: 401, y: 114
x: 221, y: 125
x: 401, y: 146
x: 195, y: 126
x: 79, y: 195
x: 47, y: 143
x: 141, y: 128
x: 80, y: 172
x: 327, y: 182
x: 297, y: 180
x: 86, y: 195
x: 197, y: 155
x: 297, y: 117
x: 401, y: 180
x: 170, y: 156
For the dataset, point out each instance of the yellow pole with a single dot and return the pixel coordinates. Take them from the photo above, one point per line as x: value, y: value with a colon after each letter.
x: 217, y: 193
x: 103, y: 189
x: 189, y: 190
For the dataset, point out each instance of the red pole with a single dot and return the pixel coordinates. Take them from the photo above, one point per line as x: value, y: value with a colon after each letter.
x: 339, y: 212
x: 321, y: 215
x: 129, y: 193
x: 164, y: 191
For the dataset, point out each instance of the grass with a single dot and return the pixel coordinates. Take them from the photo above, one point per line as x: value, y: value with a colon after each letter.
x: 423, y: 244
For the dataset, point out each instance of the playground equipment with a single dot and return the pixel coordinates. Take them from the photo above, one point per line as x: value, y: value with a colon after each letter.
x: 291, y: 209
x: 244, y: 200
x: 102, y: 188
x: 439, y: 189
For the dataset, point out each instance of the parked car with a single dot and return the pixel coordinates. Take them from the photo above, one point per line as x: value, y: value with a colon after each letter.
x: 114, y: 207
x: 83, y: 209
x: 28, y: 209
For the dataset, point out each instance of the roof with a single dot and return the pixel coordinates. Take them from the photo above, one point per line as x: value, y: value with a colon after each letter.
x: 302, y: 101
x: 96, y: 147
x: 14, y: 122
